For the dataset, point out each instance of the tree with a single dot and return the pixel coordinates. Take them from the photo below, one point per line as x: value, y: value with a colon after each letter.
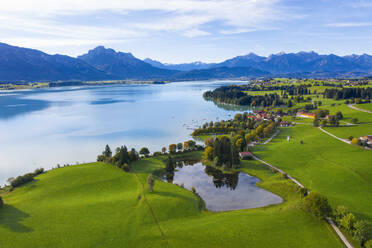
x: 362, y: 231
x: 348, y: 222
x: 339, y: 115
x: 179, y: 147
x: 133, y: 155
x: 333, y: 120
x: 317, y: 204
x: 355, y: 141
x: 123, y: 157
x: 208, y: 153
x: 340, y: 212
x: 368, y: 244
x: 144, y: 151
x: 169, y: 166
x: 150, y: 182
x: 209, y: 142
x: 1, y: 202
x: 316, y: 122
x: 107, y: 152
x: 172, y: 148
x: 163, y: 149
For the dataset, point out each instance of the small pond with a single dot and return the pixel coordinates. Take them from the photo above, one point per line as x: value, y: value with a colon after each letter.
x: 222, y: 191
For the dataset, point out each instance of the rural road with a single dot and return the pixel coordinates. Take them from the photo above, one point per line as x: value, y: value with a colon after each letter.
x: 356, y: 108
x: 272, y: 137
x: 334, y: 136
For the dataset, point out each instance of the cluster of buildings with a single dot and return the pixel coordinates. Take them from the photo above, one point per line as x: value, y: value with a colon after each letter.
x: 261, y: 115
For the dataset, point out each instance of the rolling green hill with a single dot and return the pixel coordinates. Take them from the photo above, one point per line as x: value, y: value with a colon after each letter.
x: 98, y: 205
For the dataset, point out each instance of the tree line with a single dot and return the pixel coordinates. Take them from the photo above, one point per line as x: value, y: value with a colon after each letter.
x: 233, y: 95
x: 121, y: 159
x: 348, y: 93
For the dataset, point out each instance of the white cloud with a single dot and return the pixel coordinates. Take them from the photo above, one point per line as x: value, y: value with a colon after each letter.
x: 349, y: 24
x: 49, y: 21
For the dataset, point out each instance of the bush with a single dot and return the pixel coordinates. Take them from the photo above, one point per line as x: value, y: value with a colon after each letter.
x: 356, y: 141
x: 157, y: 154
x: 317, y: 204
x: 126, y: 167
x: 1, y: 202
x: 339, y: 213
x: 348, y: 222
x: 20, y: 180
x: 362, y: 231
x: 38, y: 171
x: 368, y: 244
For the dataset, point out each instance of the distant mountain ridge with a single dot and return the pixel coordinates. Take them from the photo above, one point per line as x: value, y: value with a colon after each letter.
x: 180, y: 67
x: 123, y: 65
x: 100, y: 63
x: 298, y: 63
x: 17, y: 63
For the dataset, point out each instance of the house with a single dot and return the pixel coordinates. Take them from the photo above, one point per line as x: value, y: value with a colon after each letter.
x: 285, y: 124
x: 367, y: 139
x: 245, y: 155
x: 305, y: 115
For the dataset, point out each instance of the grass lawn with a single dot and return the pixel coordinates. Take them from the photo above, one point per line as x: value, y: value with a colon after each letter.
x: 366, y: 106
x: 99, y: 205
x: 340, y: 171
x: 356, y: 131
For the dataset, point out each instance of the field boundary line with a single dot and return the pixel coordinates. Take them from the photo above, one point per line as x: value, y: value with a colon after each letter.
x: 152, y: 212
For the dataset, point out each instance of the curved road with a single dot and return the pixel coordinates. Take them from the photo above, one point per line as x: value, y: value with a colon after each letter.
x: 356, y: 108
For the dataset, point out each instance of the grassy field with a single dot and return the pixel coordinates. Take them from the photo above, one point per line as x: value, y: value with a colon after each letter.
x: 356, y: 131
x: 99, y: 205
x: 366, y: 106
x: 340, y: 171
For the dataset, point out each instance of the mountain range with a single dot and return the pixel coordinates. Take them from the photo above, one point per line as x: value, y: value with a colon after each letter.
x: 100, y: 63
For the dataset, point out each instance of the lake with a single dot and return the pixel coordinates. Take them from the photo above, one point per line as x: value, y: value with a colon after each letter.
x: 222, y: 191
x: 46, y: 127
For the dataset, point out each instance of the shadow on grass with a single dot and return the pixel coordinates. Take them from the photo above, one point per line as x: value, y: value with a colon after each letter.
x: 11, y: 218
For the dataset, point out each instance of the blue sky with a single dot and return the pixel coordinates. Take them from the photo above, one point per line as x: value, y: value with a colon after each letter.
x: 177, y: 31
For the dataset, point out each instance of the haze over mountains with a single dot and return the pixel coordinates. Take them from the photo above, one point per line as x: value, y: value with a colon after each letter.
x: 25, y: 64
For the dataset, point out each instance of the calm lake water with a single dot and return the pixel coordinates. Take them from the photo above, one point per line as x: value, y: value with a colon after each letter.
x: 223, y: 191
x: 44, y: 127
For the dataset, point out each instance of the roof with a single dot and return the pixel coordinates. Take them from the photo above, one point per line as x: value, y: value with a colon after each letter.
x: 245, y: 154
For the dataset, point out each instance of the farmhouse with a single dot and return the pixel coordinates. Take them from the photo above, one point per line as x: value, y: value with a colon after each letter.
x: 305, y: 115
x: 367, y: 139
x: 285, y: 124
x: 245, y: 155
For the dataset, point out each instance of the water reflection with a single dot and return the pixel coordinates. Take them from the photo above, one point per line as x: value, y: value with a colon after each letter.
x: 222, y: 191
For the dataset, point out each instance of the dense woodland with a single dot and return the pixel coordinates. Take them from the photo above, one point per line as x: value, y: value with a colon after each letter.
x: 349, y: 93
x: 234, y: 95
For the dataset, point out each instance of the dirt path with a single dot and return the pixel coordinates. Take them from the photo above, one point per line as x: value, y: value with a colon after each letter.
x: 272, y: 137
x: 334, y: 136
x: 356, y: 108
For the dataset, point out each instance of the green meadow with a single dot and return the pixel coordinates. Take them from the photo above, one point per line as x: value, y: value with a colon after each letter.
x: 99, y: 205
x: 340, y: 171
